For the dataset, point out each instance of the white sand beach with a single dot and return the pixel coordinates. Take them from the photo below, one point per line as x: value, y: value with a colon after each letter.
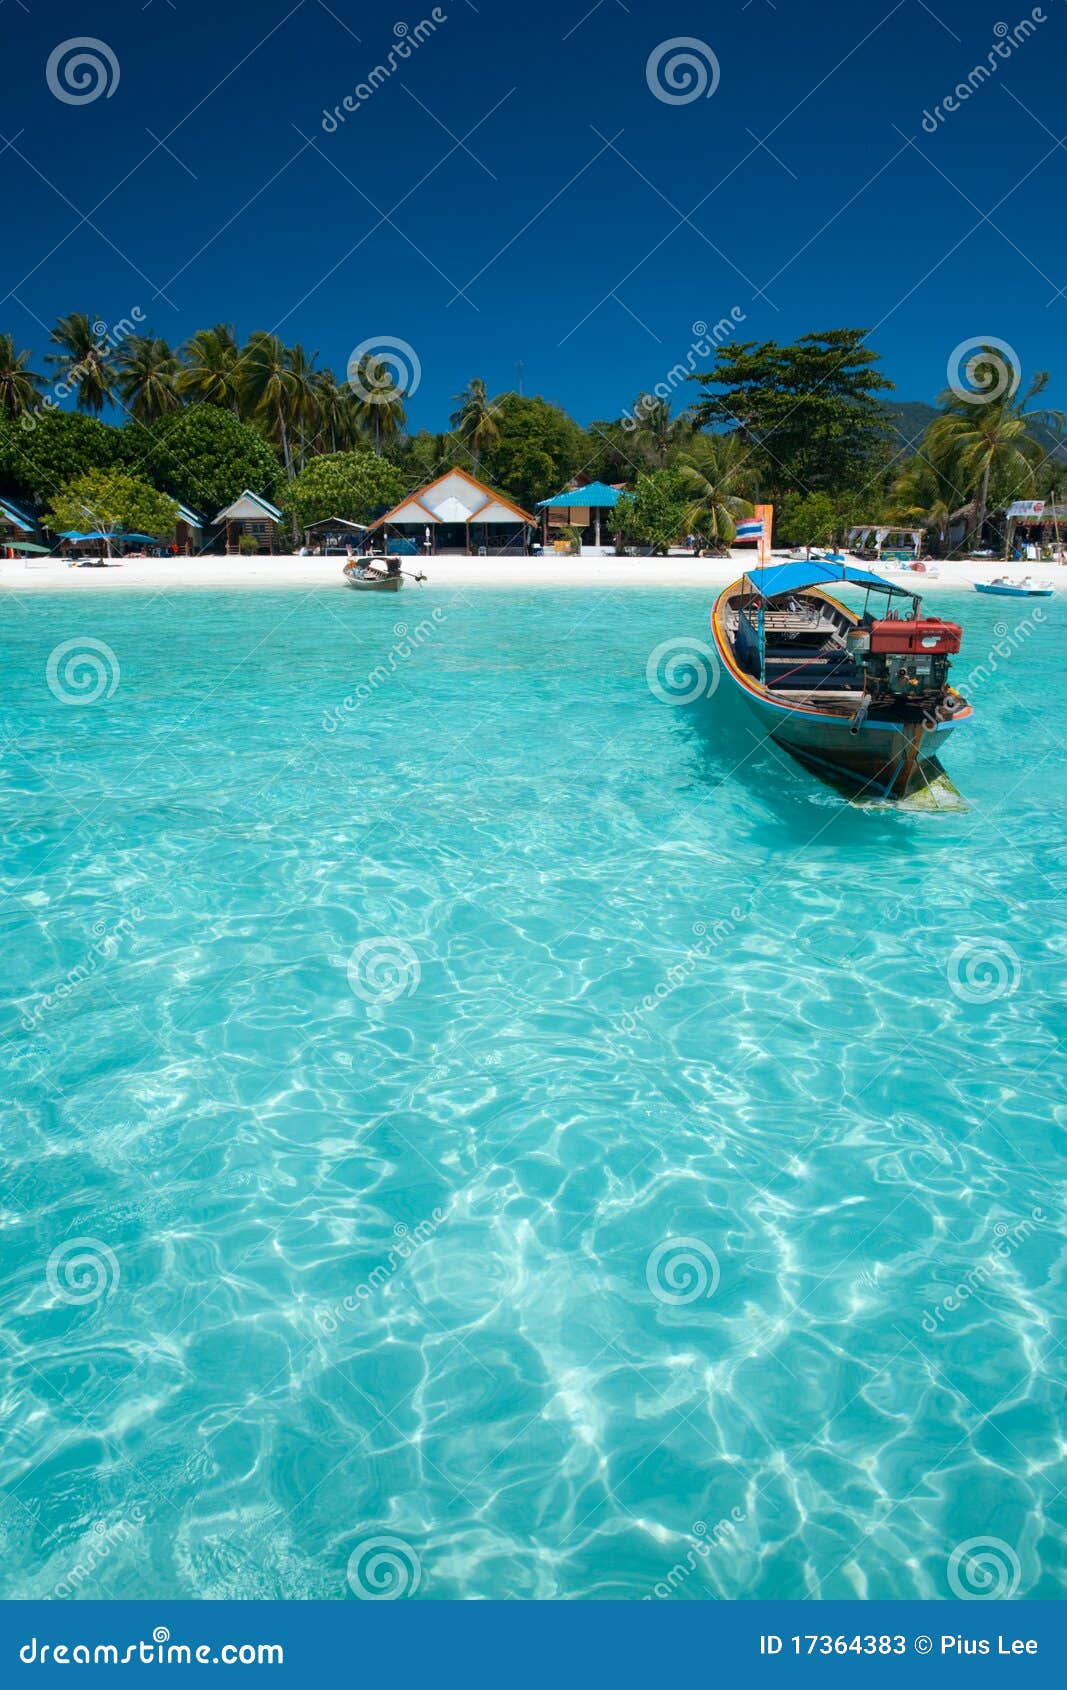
x: 55, y: 575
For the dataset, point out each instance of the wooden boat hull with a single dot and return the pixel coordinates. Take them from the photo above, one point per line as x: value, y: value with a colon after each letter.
x: 391, y: 584
x: 878, y: 759
x: 1013, y: 592
x: 878, y: 756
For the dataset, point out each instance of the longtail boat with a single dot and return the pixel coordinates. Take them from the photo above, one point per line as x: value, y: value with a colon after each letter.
x: 377, y: 575
x: 858, y: 697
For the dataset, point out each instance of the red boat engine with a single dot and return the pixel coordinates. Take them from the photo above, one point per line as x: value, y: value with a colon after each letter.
x: 906, y: 657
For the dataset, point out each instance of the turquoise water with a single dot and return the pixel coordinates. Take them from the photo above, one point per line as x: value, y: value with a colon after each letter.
x: 517, y: 1117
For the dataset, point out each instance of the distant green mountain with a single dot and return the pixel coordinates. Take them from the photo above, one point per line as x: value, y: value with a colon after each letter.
x: 909, y: 419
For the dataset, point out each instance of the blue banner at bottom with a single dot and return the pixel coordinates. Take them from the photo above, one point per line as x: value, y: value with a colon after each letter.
x: 555, y: 1644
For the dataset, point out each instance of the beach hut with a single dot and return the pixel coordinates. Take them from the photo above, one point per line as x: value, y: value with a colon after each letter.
x: 333, y: 534
x: 250, y: 514
x: 457, y: 513
x: 1033, y: 529
x: 585, y: 507
x: 188, y: 531
x: 17, y: 526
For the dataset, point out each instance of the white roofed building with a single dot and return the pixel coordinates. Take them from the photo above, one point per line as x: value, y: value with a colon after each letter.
x: 457, y: 513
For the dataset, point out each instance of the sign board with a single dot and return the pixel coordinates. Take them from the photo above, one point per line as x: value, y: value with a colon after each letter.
x: 1026, y: 508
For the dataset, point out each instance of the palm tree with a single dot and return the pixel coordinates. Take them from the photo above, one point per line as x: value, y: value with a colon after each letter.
x: 335, y: 425
x: 148, y: 372
x: 86, y: 360
x: 925, y: 494
x: 212, y: 368
x: 654, y: 429
x: 19, y: 387
x: 977, y: 439
x: 303, y: 397
x: 474, y: 420
x: 268, y: 386
x: 379, y: 401
x: 717, y: 475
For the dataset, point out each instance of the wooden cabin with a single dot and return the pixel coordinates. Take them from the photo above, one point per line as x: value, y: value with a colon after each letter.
x: 254, y: 515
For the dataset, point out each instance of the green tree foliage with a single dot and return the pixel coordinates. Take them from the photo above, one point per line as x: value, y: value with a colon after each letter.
x: 814, y: 520
x: 654, y: 514
x: 19, y: 386
x: 474, y: 420
x: 378, y: 400
x: 539, y: 450
x: 111, y: 500
x: 85, y: 360
x: 203, y: 456
x: 985, y: 447
x: 49, y: 447
x: 211, y: 368
x: 810, y: 410
x: 983, y: 439
x: 147, y: 377
x: 354, y: 485
x: 717, y: 474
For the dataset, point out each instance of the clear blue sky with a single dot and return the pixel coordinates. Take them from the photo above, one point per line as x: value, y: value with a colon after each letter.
x: 583, y: 224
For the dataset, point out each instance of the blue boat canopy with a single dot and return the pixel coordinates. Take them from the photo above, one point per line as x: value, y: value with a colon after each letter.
x: 597, y: 495
x: 793, y: 577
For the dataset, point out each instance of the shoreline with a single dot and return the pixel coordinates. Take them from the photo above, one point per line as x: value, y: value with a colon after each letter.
x: 54, y: 575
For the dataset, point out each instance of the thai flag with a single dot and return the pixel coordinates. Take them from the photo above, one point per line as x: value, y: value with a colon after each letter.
x: 748, y: 531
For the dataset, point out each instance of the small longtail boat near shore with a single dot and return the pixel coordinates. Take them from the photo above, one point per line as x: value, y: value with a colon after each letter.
x: 860, y: 698
x: 376, y: 575
x: 1003, y: 587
